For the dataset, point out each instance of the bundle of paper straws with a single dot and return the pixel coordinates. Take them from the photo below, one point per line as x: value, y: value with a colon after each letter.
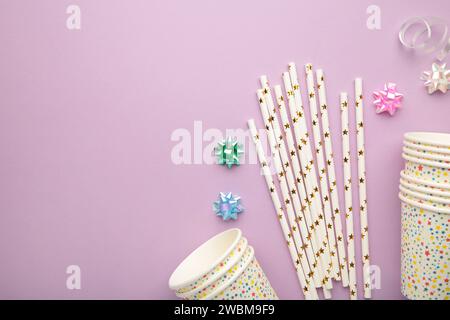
x: 306, y: 200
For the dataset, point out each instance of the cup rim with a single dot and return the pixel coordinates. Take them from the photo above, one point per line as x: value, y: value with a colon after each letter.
x: 431, y: 138
x: 426, y: 148
x: 413, y: 153
x: 423, y: 206
x: 426, y: 162
x: 175, y: 283
x: 422, y: 196
x: 421, y: 189
x: 232, y: 279
x: 216, y: 275
x: 424, y: 182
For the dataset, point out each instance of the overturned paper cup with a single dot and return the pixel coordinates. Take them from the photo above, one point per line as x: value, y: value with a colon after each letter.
x: 204, y: 259
x: 223, y: 280
x: 251, y: 284
x: 220, y: 269
x: 245, y: 274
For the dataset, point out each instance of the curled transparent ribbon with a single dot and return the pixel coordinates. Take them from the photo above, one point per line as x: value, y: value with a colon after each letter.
x: 423, y: 38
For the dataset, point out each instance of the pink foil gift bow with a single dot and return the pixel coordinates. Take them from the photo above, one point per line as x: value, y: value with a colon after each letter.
x: 388, y: 100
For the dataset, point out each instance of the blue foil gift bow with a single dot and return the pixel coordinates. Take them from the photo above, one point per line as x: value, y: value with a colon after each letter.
x: 228, y: 206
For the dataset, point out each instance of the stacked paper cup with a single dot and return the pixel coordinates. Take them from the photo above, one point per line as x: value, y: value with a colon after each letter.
x: 425, y: 198
x: 223, y: 268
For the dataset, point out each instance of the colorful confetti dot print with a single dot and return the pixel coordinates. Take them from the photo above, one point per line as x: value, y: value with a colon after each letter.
x: 428, y: 173
x: 428, y: 147
x: 252, y: 284
x: 427, y: 154
x: 425, y: 254
x: 439, y: 206
x: 231, y: 273
x: 218, y: 270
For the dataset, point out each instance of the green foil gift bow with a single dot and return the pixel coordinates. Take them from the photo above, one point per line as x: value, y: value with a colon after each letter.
x: 228, y: 152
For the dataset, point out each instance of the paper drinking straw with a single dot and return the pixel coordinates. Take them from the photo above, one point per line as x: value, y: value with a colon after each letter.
x: 362, y: 187
x: 297, y: 169
x: 329, y: 157
x: 306, y: 158
x: 288, y: 187
x: 308, y: 290
x: 291, y: 204
x: 297, y: 178
x: 322, y: 171
x: 348, y: 196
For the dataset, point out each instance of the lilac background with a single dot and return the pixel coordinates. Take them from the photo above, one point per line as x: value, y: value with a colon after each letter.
x: 86, y: 119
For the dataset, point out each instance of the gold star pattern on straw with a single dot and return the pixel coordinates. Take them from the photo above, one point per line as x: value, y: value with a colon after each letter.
x: 359, y: 118
x: 297, y: 261
x: 347, y: 188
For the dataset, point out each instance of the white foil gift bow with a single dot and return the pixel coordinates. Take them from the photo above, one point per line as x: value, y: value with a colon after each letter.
x: 425, y: 30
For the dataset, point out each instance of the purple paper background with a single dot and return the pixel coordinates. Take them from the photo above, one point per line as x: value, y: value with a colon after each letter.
x: 86, y: 119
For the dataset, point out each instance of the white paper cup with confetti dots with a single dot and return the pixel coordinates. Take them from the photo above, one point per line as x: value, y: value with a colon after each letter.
x: 434, y: 171
x: 250, y: 284
x: 434, y: 192
x: 443, y: 188
x: 438, y: 140
x: 216, y: 265
x: 425, y: 257
x: 425, y: 155
x: 204, y: 260
x: 424, y: 197
x: 205, y: 290
x: 212, y: 276
x: 427, y: 149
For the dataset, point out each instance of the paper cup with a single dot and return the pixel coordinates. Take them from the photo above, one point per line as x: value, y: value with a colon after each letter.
x: 205, y: 259
x: 429, y: 149
x: 231, y: 272
x: 422, y: 204
x: 425, y: 183
x: 424, y: 252
x: 426, y: 155
x: 427, y: 139
x: 432, y: 192
x: 251, y: 284
x: 422, y: 198
x: 218, y: 271
x: 427, y: 170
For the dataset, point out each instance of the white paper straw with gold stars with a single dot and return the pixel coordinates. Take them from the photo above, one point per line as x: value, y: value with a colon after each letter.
x: 288, y: 188
x: 322, y: 171
x: 308, y: 290
x: 307, y: 161
x: 348, y: 196
x: 295, y: 182
x: 329, y: 157
x: 306, y: 156
x: 303, y: 146
x: 362, y: 187
x: 297, y: 169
